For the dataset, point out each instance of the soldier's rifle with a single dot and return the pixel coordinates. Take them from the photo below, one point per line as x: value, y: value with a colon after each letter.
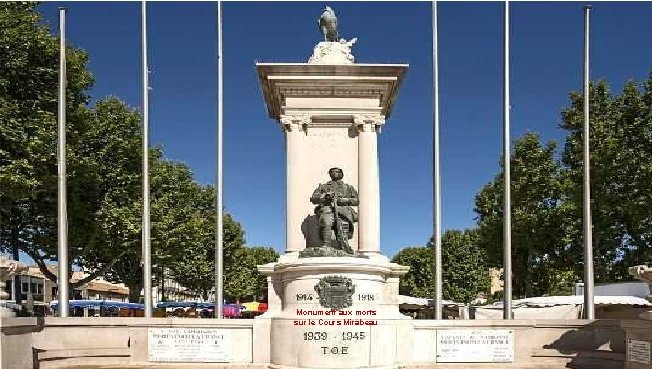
x: 339, y: 230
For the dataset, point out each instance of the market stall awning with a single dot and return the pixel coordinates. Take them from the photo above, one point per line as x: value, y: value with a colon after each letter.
x: 228, y: 310
x: 54, y: 304
x: 544, y: 301
x: 254, y: 306
x: 409, y: 302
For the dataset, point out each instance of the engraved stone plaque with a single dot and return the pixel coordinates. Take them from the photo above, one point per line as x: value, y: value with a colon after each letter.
x: 188, y: 345
x: 475, y: 346
x: 638, y: 351
x: 335, y: 292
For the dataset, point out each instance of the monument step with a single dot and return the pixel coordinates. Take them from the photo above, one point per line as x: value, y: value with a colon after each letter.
x: 162, y: 366
x: 540, y: 363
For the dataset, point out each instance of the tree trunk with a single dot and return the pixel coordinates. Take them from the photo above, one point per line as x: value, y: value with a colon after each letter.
x: 134, y: 291
x: 163, y: 284
x: 529, y: 288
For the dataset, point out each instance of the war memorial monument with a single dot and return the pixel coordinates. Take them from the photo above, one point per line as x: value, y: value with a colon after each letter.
x: 333, y: 296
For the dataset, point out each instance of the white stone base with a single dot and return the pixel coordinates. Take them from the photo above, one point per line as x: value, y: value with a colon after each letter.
x: 303, y: 333
x: 52, y: 342
x: 344, y: 347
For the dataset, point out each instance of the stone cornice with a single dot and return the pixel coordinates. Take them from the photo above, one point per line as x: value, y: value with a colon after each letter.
x: 282, y: 81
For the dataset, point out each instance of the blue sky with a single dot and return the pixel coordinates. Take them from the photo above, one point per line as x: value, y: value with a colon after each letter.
x: 546, y: 57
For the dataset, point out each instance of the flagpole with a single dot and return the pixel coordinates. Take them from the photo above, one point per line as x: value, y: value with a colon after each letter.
x: 507, y: 204
x: 589, y: 309
x: 146, y: 247
x: 219, y: 278
x: 436, y: 166
x: 62, y: 219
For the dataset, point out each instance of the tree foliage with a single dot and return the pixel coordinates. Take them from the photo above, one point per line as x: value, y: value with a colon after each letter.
x: 547, y: 195
x: 465, y: 272
x: 419, y: 280
x: 261, y: 255
x: 242, y: 281
x: 104, y: 175
x: 195, y: 267
x: 538, y: 227
x: 621, y: 176
x: 28, y: 132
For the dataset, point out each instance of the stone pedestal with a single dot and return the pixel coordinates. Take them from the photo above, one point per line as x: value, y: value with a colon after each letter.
x: 7, y: 268
x: 639, y: 334
x: 335, y: 312
x: 643, y: 273
x: 638, y: 344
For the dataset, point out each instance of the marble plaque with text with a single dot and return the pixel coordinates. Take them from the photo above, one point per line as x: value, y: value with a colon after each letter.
x: 475, y: 346
x: 638, y: 351
x: 188, y: 345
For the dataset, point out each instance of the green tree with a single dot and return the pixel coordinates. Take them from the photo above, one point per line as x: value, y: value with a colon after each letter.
x: 195, y: 266
x: 261, y: 255
x: 104, y: 171
x: 242, y: 281
x: 419, y: 280
x: 113, y: 147
x: 103, y: 159
x: 621, y: 176
x: 106, y: 188
x: 547, y: 196
x: 539, y: 231
x: 28, y: 135
x: 464, y: 268
x: 182, y: 214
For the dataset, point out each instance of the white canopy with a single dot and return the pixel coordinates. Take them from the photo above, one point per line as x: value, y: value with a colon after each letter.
x: 556, y: 307
x: 544, y: 301
x: 416, y: 302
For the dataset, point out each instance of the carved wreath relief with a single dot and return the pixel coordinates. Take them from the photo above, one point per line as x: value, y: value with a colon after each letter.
x: 335, y: 292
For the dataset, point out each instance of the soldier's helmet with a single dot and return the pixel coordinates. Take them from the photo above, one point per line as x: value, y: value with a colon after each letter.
x: 336, y: 169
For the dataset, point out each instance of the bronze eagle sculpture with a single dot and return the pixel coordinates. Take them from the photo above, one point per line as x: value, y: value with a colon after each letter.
x: 328, y: 25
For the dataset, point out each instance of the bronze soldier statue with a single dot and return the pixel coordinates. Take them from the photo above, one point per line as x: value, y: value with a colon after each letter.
x: 335, y: 200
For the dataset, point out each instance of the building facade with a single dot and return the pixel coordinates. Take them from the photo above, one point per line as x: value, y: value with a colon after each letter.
x: 35, y: 292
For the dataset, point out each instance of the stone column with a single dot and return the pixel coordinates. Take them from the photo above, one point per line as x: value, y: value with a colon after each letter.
x: 368, y: 183
x: 295, y: 128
